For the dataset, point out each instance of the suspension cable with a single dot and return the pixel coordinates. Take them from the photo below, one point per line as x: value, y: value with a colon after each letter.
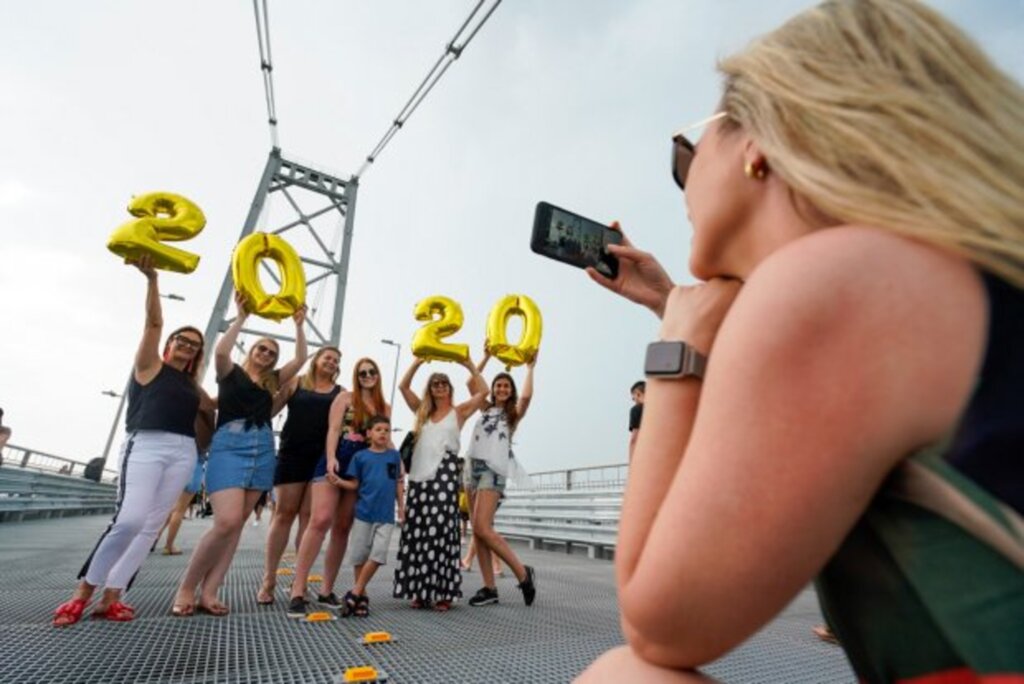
x: 453, y: 50
x: 267, y: 66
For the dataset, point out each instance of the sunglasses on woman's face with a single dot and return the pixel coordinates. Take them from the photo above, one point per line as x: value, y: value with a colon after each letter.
x: 264, y: 349
x: 187, y: 342
x: 683, y: 150
x: 439, y: 383
x: 368, y: 373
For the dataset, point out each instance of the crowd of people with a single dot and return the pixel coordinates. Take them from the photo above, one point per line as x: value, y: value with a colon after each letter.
x: 335, y: 471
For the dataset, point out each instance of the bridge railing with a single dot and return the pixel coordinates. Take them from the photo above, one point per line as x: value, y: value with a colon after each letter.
x: 35, y: 484
x: 571, y: 508
x: 14, y: 456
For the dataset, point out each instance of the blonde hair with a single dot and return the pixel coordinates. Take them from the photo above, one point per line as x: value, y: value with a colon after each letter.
x: 883, y: 113
x: 308, y: 379
x: 427, y: 405
x: 269, y: 378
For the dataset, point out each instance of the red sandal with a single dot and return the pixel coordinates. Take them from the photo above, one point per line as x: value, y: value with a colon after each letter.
x: 115, y: 612
x: 69, y: 612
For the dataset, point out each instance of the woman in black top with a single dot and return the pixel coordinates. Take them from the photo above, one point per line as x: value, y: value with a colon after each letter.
x: 157, y: 459
x: 302, y: 443
x: 241, y: 463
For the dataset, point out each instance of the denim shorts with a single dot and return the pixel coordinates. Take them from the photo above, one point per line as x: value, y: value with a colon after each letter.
x: 482, y: 477
x: 241, y: 458
x: 346, y: 450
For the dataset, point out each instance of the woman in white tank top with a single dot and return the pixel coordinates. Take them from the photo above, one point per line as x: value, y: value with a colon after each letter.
x: 429, y: 549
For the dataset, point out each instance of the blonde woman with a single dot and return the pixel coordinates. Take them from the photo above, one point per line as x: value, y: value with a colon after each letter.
x: 241, y: 463
x: 428, y: 570
x: 333, y: 507
x: 858, y: 213
x: 309, y: 400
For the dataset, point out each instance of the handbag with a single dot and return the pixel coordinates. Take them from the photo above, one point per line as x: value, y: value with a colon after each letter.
x: 406, y: 448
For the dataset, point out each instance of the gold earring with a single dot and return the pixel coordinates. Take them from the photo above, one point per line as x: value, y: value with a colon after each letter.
x: 758, y: 172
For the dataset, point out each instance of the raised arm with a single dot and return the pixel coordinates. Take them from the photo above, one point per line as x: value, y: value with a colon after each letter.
x: 147, y: 357
x: 292, y: 368
x: 283, y: 395
x: 478, y: 388
x: 411, y: 400
x: 641, y: 278
x: 222, y: 362
x: 526, y: 394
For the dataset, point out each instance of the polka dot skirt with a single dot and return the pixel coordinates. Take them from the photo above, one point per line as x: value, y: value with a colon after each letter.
x: 429, y: 548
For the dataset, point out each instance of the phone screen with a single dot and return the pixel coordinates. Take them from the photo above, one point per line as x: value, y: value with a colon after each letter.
x: 573, y: 239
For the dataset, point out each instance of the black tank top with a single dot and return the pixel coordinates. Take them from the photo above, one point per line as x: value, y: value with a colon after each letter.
x: 305, y: 430
x: 169, y: 402
x: 989, y: 443
x: 241, y: 398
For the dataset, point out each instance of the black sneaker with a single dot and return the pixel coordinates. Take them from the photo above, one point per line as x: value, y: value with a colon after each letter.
x: 485, y: 597
x: 297, y: 607
x: 330, y: 601
x: 528, y: 587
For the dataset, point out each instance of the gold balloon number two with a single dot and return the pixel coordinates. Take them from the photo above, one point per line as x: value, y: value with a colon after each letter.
x: 162, y: 216
x: 445, y: 319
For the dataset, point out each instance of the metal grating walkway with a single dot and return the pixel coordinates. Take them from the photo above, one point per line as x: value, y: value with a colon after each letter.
x: 573, y: 621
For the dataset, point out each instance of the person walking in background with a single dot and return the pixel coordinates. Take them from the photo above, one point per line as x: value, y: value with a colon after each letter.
x: 841, y: 397
x: 184, y: 502
x: 490, y: 463
x: 5, y: 435
x: 428, y: 570
x: 309, y: 401
x: 157, y: 458
x: 242, y: 458
x: 334, y: 508
x: 376, y: 475
x: 636, y: 413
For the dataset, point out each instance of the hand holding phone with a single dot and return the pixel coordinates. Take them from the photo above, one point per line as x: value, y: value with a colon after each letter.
x: 641, y: 278
x: 572, y: 239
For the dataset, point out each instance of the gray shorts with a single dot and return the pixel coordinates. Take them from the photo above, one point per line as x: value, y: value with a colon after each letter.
x: 369, y: 541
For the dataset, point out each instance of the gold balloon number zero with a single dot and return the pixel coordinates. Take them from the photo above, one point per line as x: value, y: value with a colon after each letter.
x: 245, y: 262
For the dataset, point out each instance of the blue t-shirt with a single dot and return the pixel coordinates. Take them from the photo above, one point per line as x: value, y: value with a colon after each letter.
x: 377, y: 473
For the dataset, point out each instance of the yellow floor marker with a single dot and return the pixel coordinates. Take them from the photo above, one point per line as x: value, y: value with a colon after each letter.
x: 364, y: 673
x: 376, y: 638
x: 321, y: 616
x: 285, y: 572
x: 315, y: 578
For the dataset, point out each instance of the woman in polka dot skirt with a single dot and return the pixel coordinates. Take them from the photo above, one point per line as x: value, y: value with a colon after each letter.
x: 429, y: 550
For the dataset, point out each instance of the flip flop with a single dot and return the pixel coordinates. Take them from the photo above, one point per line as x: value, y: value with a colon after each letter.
x: 442, y: 606
x: 183, y: 610
x: 217, y: 609
x: 69, y: 612
x: 172, y: 552
x: 260, y: 601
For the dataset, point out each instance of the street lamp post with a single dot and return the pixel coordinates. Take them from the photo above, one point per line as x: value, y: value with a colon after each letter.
x: 123, y: 396
x: 394, y: 379
x: 172, y: 296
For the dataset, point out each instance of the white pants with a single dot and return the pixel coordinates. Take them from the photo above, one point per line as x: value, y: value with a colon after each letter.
x: 155, y: 467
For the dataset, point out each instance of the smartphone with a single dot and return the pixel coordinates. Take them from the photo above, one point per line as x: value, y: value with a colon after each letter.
x: 570, y: 238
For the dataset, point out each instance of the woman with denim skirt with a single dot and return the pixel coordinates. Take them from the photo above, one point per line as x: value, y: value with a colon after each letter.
x: 242, y: 458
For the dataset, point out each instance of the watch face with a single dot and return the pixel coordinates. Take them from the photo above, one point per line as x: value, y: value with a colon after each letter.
x: 664, y: 358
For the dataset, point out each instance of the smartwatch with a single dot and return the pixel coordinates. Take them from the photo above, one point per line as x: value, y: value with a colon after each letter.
x: 674, y: 360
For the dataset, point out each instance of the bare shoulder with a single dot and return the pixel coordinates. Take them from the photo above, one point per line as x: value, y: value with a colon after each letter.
x: 870, y: 307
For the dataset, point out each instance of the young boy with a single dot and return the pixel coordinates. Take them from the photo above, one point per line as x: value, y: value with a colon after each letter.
x: 376, y: 474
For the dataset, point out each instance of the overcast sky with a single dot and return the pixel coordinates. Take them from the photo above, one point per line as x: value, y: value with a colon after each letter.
x: 572, y: 102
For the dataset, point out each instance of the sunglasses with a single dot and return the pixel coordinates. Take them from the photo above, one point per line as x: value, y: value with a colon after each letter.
x: 440, y: 383
x: 368, y: 373
x: 188, y: 342
x: 264, y: 349
x: 683, y: 150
